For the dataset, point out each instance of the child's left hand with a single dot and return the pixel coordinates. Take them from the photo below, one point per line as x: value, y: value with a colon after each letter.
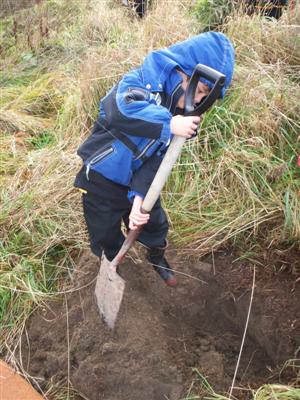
x: 136, y: 217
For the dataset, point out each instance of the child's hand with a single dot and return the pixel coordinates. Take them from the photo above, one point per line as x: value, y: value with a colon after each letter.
x: 184, y: 126
x: 136, y: 217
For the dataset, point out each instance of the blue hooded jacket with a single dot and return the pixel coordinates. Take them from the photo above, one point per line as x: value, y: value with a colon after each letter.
x: 211, y: 48
x: 132, y: 131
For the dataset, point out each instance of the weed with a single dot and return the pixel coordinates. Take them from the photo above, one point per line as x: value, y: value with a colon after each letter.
x: 212, y: 13
x: 44, y: 139
x: 278, y: 392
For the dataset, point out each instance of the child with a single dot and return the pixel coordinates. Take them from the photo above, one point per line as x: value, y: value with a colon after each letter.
x: 268, y: 8
x: 136, y: 122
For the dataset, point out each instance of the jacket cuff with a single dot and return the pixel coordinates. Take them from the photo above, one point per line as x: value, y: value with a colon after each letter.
x: 132, y: 193
x: 165, y: 135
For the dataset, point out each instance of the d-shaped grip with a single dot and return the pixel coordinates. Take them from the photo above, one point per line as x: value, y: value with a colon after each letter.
x: 177, y: 142
x: 202, y: 71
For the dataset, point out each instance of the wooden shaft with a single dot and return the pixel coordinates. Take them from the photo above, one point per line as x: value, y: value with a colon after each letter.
x: 154, y: 191
x: 163, y: 172
x: 128, y: 242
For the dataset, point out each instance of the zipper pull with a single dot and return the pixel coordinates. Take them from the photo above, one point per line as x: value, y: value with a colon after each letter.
x: 87, y: 170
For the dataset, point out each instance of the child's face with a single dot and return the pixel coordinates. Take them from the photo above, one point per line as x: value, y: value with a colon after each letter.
x: 202, y: 90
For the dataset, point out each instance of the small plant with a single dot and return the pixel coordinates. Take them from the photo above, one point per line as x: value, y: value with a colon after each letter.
x: 44, y: 139
x: 277, y: 392
x: 212, y: 13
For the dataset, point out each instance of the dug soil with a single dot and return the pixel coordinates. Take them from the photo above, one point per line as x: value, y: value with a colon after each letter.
x: 166, y: 340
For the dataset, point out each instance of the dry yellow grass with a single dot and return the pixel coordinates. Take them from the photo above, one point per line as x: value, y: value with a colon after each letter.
x: 239, y: 175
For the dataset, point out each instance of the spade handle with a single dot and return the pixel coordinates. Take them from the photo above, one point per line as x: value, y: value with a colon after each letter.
x: 174, y: 149
x: 163, y: 173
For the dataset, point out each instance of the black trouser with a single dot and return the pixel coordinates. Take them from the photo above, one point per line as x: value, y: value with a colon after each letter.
x: 103, y: 218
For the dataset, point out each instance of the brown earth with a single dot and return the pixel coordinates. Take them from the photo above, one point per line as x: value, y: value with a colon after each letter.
x: 165, y: 338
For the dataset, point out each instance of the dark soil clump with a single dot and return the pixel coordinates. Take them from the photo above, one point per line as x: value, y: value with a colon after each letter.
x: 162, y: 335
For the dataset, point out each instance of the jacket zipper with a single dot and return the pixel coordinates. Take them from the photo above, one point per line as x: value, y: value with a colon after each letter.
x: 145, y: 149
x: 109, y: 150
x: 97, y: 158
x: 173, y: 94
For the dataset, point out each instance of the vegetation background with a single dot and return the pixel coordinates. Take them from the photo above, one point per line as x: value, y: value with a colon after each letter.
x: 237, y: 184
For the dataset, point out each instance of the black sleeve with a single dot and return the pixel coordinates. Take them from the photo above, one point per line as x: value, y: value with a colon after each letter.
x: 143, y: 177
x: 132, y: 126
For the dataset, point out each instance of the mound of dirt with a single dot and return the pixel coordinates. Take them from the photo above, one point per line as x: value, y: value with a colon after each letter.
x: 162, y: 335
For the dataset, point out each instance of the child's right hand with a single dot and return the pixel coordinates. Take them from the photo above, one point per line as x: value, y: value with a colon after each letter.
x: 137, y: 217
x: 184, y: 126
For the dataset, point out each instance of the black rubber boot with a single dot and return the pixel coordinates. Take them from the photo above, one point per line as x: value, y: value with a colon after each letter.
x: 161, y: 265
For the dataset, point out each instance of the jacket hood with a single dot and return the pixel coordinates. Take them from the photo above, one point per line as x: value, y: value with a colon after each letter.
x: 213, y: 49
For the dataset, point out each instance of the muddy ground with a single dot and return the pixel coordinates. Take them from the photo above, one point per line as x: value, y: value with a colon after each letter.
x: 165, y: 338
